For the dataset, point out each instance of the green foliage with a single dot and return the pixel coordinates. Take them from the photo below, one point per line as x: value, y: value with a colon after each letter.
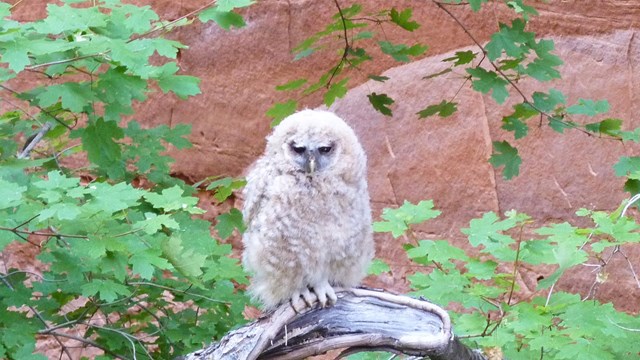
x: 351, y: 29
x: 397, y: 221
x: 381, y: 103
x: 135, y: 255
x: 444, y: 109
x: 497, y: 313
x: 507, y: 156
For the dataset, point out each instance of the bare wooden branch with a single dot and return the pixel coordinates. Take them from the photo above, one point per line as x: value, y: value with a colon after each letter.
x: 33, y: 141
x: 361, y: 320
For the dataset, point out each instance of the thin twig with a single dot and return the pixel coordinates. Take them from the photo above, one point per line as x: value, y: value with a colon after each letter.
x: 144, y: 283
x: 89, y: 342
x: 498, y: 70
x: 347, y: 46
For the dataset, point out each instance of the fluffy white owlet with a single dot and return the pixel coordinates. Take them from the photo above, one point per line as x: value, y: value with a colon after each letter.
x: 307, y: 212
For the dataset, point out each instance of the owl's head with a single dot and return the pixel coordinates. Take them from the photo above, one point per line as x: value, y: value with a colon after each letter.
x: 317, y: 142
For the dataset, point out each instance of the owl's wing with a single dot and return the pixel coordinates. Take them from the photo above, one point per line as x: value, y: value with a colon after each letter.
x: 254, y: 193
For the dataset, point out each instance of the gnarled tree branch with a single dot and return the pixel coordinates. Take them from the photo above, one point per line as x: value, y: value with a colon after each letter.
x: 361, y: 320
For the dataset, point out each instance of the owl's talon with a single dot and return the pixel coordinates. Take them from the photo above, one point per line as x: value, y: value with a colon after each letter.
x: 308, y: 297
x: 297, y: 304
x: 326, y: 295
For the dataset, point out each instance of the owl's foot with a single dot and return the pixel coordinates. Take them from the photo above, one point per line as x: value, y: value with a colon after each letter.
x: 300, y: 300
x: 323, y: 293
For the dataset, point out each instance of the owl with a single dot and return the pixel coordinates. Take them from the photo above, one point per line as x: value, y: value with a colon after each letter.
x: 306, y: 207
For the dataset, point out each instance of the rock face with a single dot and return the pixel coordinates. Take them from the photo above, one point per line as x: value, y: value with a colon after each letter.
x: 440, y: 159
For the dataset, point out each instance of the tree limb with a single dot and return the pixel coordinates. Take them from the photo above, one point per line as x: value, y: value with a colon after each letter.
x: 361, y: 320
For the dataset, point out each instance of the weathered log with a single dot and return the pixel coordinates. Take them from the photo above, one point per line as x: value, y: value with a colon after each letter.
x: 361, y: 320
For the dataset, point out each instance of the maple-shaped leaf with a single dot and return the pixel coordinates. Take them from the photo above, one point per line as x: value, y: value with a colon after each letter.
x: 73, y: 96
x: 336, y: 90
x: 227, y: 222
x: 381, y: 103
x: 99, y: 141
x: 397, y: 221
x: 507, y: 156
x: 589, y: 107
x: 378, y: 267
x: 489, y: 81
x: 188, y: 262
x: 401, y: 52
x: 291, y: 85
x: 107, y: 290
x: 509, y: 40
x: 461, y: 57
x: 403, y: 19
x: 224, y: 19
x: 173, y: 199
x: 607, y: 127
x: 147, y: 261
x: 443, y: 109
x: 279, y: 111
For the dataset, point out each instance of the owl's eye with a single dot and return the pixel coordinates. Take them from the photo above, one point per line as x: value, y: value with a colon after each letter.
x: 298, y: 149
x: 324, y: 149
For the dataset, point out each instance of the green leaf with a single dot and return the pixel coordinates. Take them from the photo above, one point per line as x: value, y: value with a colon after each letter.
x: 507, y: 156
x: 172, y: 199
x: 378, y: 78
x: 224, y: 19
x: 397, y: 221
x: 401, y: 52
x: 439, y: 251
x: 514, y: 122
x: 279, y: 111
x: 476, y: 4
x: 548, y: 102
x: 403, y: 19
x: 488, y: 229
x: 558, y: 124
x: 61, y: 211
x: 98, y: 140
x: 108, y: 290
x: 509, y: 40
x: 227, y: 5
x: 111, y: 199
x: 489, y: 81
x: 444, y: 109
x: 16, y: 55
x: 145, y: 262
x: 544, y: 67
x: 627, y: 165
x: 589, y: 107
x: 378, y: 267
x: 291, y: 85
x: 609, y: 127
x: 75, y: 96
x: 520, y: 8
x: 461, y: 57
x: 188, y: 262
x: 181, y: 85
x: 381, y: 103
x: 227, y: 222
x: 68, y: 19
x: 130, y: 87
x: 154, y: 223
x: 630, y: 135
x: 10, y: 194
x: 224, y: 187
x: 336, y: 90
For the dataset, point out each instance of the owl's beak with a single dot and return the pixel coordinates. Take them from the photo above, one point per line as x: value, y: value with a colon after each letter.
x: 310, y: 165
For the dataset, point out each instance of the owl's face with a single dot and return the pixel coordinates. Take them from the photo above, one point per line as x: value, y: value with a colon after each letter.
x: 316, y: 143
x: 311, y: 156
